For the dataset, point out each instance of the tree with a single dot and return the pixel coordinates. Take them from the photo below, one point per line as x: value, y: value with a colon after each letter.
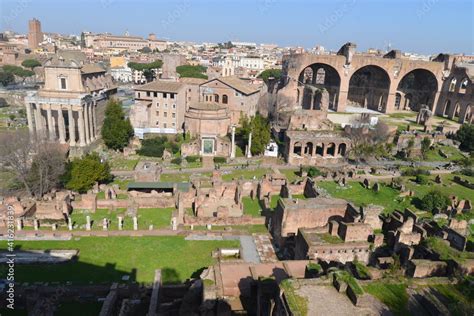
x: 30, y: 63
x: 6, y: 78
x: 425, y: 146
x: 145, y: 50
x: 369, y: 143
x: 435, y: 199
x: 47, y: 168
x: 188, y: 71
x: 18, y: 71
x: 145, y: 66
x: 36, y: 165
x: 260, y: 129
x: 465, y: 135
x: 117, y: 130
x: 82, y: 174
x: 273, y: 74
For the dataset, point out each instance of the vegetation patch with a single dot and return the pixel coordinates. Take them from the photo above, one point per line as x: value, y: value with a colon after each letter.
x: 297, y: 303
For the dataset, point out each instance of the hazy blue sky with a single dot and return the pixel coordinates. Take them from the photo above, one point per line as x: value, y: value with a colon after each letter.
x: 425, y: 26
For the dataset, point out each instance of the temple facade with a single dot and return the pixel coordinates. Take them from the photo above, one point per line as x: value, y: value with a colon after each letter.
x: 66, y: 108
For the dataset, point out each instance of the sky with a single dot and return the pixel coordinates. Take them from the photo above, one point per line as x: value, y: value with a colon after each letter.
x: 422, y: 26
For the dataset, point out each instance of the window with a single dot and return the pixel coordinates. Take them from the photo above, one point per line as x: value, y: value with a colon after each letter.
x: 157, y: 123
x: 165, y: 95
x: 157, y: 104
x: 173, y: 115
x: 172, y: 95
x: 165, y: 114
x: 165, y: 125
x: 216, y: 98
x: 224, y: 99
x: 63, y: 83
x: 148, y: 93
x: 173, y: 124
x: 166, y: 105
x: 174, y: 106
x: 157, y: 113
x: 155, y: 94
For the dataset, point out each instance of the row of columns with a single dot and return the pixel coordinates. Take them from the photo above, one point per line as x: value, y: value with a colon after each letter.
x: 54, y: 126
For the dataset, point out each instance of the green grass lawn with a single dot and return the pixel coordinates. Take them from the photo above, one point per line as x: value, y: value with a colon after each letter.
x: 274, y: 201
x: 445, y: 251
x: 251, y: 207
x: 247, y: 174
x: 159, y: 218
x: 452, y: 152
x: 109, y: 259
x: 393, y: 295
x: 389, y: 198
x: 291, y: 174
x: 123, y: 164
x: 354, y: 192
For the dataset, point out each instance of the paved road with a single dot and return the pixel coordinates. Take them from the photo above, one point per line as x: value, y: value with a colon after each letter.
x: 249, y: 250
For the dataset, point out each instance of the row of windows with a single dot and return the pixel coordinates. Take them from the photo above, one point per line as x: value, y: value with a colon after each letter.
x: 156, y: 94
x: 165, y: 125
x: 462, y: 87
x: 166, y: 105
x: 216, y: 98
x: 165, y: 114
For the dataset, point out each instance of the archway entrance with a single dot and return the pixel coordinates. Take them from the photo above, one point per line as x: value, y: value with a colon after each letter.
x: 320, y: 76
x: 368, y: 88
x: 421, y: 85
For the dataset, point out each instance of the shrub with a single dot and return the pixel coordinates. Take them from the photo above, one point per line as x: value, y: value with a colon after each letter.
x: 154, y: 147
x: 421, y: 179
x: 412, y: 172
x: 314, y: 268
x: 192, y: 159
x: 313, y: 172
x: 467, y: 172
x: 220, y: 160
x: 177, y: 161
x: 435, y: 199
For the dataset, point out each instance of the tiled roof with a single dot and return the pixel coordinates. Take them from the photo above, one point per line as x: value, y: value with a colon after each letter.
x: 161, y: 86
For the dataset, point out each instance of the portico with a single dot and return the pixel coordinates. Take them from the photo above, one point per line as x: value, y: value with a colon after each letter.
x: 69, y: 121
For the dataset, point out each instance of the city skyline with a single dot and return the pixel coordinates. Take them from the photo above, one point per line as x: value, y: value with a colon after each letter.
x: 299, y: 23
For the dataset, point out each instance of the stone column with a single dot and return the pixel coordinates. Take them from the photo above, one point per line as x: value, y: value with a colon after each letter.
x: 105, y: 224
x: 232, y: 150
x: 51, y: 129
x: 30, y: 118
x: 135, y: 223
x: 82, y: 136
x: 94, y: 119
x: 86, y: 121
x: 69, y: 222
x: 36, y: 224
x: 72, y: 127
x: 61, y: 126
x: 38, y: 120
x: 91, y: 123
x: 249, y: 151
x: 19, y: 224
x: 120, y: 222
x: 88, y: 222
